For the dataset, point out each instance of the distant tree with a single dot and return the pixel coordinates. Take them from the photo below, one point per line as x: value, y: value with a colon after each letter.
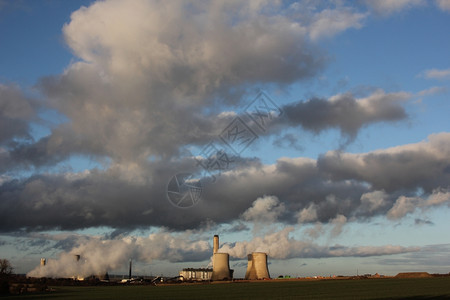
x: 5, y: 275
x: 5, y: 267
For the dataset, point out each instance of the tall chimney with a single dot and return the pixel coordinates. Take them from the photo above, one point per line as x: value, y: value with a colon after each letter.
x: 215, y: 243
x: 129, y: 272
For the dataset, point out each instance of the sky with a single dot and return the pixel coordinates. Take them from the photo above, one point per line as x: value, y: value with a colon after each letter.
x: 315, y: 131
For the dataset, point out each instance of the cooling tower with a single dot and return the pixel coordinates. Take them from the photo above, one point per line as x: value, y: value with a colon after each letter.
x: 215, y: 243
x: 43, y: 261
x: 221, y: 267
x: 257, y: 266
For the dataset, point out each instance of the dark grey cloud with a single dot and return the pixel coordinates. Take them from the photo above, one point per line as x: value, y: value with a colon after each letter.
x: 289, y: 141
x: 418, y: 221
x: 422, y: 165
x: 346, y: 113
x: 16, y: 113
x: 306, y: 191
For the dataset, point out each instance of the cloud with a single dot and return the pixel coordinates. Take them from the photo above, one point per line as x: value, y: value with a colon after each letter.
x: 289, y: 141
x: 355, y: 186
x: 280, y: 245
x: 329, y: 22
x: 140, y: 89
x: 430, y: 256
x: 266, y: 209
x: 347, y: 113
x: 437, y: 74
x: 433, y: 91
x: 424, y: 164
x: 387, y: 7
x: 101, y: 255
x: 142, y: 95
x: 337, y: 223
x: 373, y: 201
x: 443, y: 5
x: 405, y: 205
x: 16, y: 113
x: 308, y: 214
x: 422, y: 222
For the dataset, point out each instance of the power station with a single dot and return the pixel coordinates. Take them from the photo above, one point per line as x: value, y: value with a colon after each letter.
x: 256, y: 268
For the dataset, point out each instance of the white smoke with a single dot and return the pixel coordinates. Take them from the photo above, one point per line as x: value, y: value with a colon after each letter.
x: 99, y: 256
x: 280, y: 245
x: 265, y: 209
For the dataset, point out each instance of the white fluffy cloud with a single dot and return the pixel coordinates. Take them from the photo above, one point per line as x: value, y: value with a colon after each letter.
x: 266, y: 209
x: 405, y: 205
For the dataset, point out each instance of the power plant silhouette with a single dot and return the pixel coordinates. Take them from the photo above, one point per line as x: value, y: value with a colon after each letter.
x: 256, y: 268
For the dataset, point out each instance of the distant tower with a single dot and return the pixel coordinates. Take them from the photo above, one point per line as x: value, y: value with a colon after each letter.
x: 215, y: 243
x: 43, y: 262
x: 257, y: 266
x: 221, y: 265
x: 129, y: 271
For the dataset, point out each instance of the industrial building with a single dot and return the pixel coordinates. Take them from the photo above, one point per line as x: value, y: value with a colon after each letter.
x: 196, y: 274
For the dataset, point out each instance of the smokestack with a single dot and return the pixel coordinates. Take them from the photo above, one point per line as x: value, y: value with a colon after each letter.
x: 43, y: 262
x: 257, y: 266
x: 215, y: 243
x: 129, y: 272
x: 221, y: 263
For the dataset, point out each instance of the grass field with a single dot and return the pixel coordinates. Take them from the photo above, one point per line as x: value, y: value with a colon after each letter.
x: 418, y: 288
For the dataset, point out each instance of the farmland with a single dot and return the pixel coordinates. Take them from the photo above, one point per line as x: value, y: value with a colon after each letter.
x: 387, y: 288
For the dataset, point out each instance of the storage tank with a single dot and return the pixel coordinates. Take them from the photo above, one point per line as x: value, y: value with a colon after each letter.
x: 221, y: 267
x: 257, y: 266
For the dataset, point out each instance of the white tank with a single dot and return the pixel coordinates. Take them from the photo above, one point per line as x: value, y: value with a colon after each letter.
x: 257, y: 266
x: 221, y: 267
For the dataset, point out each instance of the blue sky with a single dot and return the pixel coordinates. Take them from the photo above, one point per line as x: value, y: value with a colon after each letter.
x: 103, y: 102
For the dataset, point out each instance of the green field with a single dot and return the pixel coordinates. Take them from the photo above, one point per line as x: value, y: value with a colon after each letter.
x: 424, y: 288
